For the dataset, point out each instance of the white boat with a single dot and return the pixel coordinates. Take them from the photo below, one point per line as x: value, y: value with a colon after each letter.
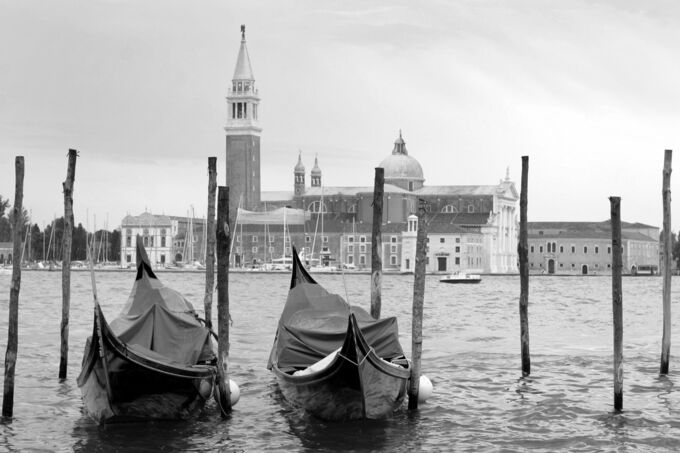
x: 461, y: 277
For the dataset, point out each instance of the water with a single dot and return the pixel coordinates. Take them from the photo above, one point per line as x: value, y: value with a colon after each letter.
x: 470, y: 352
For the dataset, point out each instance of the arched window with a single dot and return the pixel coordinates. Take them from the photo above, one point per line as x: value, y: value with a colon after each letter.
x: 449, y: 208
x: 317, y: 206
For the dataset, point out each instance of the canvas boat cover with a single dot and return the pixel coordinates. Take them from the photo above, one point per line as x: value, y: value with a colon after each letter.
x: 161, y: 321
x: 280, y: 216
x: 314, y: 324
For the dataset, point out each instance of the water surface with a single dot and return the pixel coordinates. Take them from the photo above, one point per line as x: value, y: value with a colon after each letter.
x: 470, y: 352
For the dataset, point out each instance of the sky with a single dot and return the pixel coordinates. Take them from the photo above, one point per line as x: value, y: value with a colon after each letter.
x: 589, y: 90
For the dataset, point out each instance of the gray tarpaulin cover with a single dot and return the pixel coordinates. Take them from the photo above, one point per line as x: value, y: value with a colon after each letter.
x: 159, y: 319
x: 314, y: 323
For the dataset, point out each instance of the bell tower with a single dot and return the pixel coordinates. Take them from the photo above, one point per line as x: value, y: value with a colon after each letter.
x: 299, y: 173
x: 243, y: 135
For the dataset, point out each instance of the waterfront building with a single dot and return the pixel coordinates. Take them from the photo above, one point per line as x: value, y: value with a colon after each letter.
x: 586, y: 248
x: 169, y: 240
x: 475, y: 226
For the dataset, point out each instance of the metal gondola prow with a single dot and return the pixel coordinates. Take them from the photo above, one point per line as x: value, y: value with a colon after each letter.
x: 143, y: 263
x: 299, y: 273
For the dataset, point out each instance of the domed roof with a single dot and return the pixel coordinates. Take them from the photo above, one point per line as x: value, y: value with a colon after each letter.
x: 299, y: 167
x: 399, y: 165
x: 316, y: 170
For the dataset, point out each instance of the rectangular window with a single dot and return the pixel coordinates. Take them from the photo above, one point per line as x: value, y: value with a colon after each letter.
x: 128, y: 258
x: 308, y: 239
x: 324, y: 249
x: 393, y: 260
x: 362, y: 259
x: 362, y: 238
x: 540, y: 249
x: 271, y: 239
x: 458, y: 260
x: 238, y: 238
x: 609, y: 250
x: 458, y: 249
x: 238, y: 249
x: 362, y: 248
x: 254, y: 249
x: 128, y: 241
x: 597, y: 249
x: 531, y: 249
x: 442, y: 240
x: 254, y: 238
x: 162, y: 259
x: 408, y: 263
x: 350, y: 239
x: 585, y: 249
x: 324, y: 239
x: 151, y: 241
x: 146, y: 241
x: 163, y: 241
x: 561, y: 249
x: 393, y: 239
x: 350, y: 259
x: 350, y: 249
x: 457, y: 240
x: 573, y: 249
x: 271, y: 249
x: 393, y: 248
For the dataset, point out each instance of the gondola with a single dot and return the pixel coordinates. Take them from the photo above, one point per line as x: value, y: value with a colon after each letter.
x: 334, y: 360
x: 155, y: 361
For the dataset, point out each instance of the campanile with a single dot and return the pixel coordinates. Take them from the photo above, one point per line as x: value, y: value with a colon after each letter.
x: 243, y: 135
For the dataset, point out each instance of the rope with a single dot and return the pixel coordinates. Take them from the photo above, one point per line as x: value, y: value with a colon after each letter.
x: 362, y: 360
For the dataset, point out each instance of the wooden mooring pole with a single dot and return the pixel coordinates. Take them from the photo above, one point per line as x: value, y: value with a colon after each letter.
x: 667, y: 259
x: 376, y: 243
x: 523, y: 253
x: 417, y: 314
x: 617, y: 300
x: 66, y: 260
x: 210, y: 241
x: 13, y: 325
x: 223, y: 239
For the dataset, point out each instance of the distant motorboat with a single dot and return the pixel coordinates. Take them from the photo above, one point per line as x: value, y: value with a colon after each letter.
x: 461, y: 277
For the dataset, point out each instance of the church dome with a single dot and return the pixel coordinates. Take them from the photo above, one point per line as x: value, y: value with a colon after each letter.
x: 299, y: 168
x: 400, y: 168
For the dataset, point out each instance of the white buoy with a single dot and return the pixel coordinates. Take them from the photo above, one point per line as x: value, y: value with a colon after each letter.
x: 235, y: 392
x: 425, y: 389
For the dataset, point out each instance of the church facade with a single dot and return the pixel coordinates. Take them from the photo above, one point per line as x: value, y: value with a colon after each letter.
x: 469, y: 227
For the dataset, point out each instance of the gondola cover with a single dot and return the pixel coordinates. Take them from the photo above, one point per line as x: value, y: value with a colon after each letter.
x: 314, y: 324
x: 157, y: 320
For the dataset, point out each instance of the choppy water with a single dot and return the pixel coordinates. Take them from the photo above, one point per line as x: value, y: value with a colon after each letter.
x: 471, y: 354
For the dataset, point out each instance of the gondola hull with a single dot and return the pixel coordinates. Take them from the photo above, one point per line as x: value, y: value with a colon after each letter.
x: 118, y: 385
x: 357, y: 384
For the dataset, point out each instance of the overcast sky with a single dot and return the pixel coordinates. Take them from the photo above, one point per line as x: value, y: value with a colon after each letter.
x: 589, y: 90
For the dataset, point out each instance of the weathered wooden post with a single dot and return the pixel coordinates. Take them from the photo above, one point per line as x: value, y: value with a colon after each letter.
x: 210, y: 242
x: 223, y: 239
x: 617, y: 300
x: 13, y: 325
x: 376, y: 243
x: 667, y: 259
x: 417, y: 314
x: 523, y: 252
x: 66, y: 260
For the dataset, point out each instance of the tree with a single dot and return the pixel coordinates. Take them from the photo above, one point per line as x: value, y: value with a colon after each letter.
x: 114, y: 242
